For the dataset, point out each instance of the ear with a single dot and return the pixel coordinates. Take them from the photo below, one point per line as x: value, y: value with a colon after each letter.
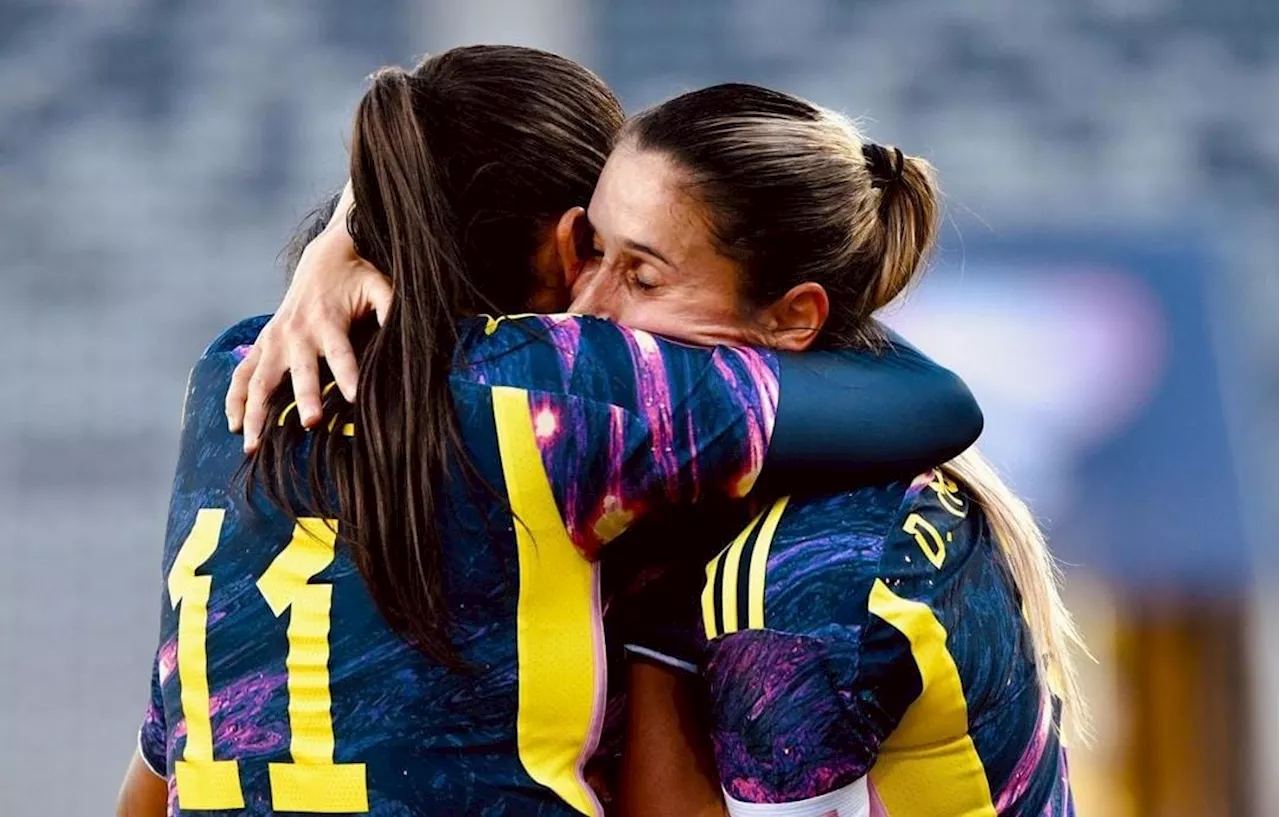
x: 568, y: 232
x: 795, y: 320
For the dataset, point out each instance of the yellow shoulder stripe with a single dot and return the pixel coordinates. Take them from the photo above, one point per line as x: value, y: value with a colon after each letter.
x: 733, y: 595
x: 559, y: 633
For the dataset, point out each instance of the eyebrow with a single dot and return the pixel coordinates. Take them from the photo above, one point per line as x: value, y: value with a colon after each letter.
x: 636, y: 246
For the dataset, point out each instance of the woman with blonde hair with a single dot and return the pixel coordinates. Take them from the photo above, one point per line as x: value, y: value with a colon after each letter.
x: 898, y: 650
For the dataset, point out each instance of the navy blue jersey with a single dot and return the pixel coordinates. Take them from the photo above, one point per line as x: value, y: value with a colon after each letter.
x: 865, y: 654
x: 278, y: 686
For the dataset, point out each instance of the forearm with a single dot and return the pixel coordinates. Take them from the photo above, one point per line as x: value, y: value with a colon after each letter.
x: 850, y: 418
x: 668, y: 765
x: 142, y: 794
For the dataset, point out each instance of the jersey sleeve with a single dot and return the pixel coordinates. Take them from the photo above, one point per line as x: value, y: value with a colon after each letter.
x: 202, y: 402
x: 847, y: 419
x: 153, y: 734
x: 813, y: 725
x: 627, y: 421
x: 839, y: 418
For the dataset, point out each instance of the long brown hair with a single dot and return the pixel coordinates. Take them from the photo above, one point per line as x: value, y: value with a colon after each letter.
x: 457, y: 170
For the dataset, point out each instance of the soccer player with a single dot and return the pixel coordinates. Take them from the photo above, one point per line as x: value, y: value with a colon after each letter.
x: 401, y: 614
x: 866, y: 652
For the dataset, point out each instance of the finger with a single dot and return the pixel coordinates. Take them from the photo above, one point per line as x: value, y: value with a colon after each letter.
x: 342, y: 362
x: 305, y: 374
x: 238, y: 391
x: 378, y: 294
x: 269, y: 373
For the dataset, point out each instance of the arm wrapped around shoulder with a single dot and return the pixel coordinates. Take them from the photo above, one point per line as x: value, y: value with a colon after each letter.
x: 850, y: 418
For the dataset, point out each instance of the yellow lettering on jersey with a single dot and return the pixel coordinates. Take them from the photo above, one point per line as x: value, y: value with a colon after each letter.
x: 928, y: 766
x: 934, y: 549
x: 946, y: 491
x: 203, y: 783
x: 558, y: 625
x: 312, y: 782
x: 284, y: 415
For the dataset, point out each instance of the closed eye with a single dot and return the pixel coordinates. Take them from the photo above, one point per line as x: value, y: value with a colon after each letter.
x: 640, y: 283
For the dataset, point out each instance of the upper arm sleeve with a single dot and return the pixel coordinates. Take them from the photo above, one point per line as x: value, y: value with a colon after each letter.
x: 706, y: 415
x: 662, y: 423
x: 845, y: 692
x: 727, y: 414
x: 856, y: 418
x: 153, y: 734
x: 625, y: 422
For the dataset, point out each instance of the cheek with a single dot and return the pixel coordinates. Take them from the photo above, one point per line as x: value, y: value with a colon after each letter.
x: 650, y: 316
x: 682, y: 320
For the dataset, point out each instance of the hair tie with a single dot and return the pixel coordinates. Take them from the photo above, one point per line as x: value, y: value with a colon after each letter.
x: 884, y: 164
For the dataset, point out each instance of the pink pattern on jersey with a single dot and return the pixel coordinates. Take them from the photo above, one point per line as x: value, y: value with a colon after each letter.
x: 653, y: 394
x: 1025, y: 769
x: 921, y: 482
x: 694, y: 477
x: 240, y: 726
x: 168, y: 658
x: 616, y: 509
x: 759, y: 429
x: 590, y: 528
x: 566, y: 335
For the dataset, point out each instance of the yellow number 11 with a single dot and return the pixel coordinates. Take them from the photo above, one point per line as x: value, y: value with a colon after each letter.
x: 312, y: 782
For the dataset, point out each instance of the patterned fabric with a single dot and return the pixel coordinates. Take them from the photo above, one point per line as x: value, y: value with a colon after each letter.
x: 278, y: 687
x: 873, y: 634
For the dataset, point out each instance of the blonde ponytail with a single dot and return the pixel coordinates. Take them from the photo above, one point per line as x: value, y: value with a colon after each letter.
x: 908, y: 222
x: 1054, y: 635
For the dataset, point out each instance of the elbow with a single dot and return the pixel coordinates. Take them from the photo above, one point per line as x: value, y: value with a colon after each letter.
x: 963, y: 417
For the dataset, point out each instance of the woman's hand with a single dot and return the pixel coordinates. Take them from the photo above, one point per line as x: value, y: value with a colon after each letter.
x: 331, y: 287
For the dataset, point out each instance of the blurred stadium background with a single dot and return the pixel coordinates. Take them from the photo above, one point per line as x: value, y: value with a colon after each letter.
x: 1108, y: 285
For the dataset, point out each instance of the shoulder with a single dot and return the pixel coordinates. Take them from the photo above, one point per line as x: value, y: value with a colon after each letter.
x: 209, y: 377
x: 929, y: 539
x: 566, y: 338
x: 582, y: 338
x: 237, y: 338
x: 824, y: 554
x: 530, y: 351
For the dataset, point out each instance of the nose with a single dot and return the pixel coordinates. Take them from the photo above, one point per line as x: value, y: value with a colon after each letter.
x: 591, y: 292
